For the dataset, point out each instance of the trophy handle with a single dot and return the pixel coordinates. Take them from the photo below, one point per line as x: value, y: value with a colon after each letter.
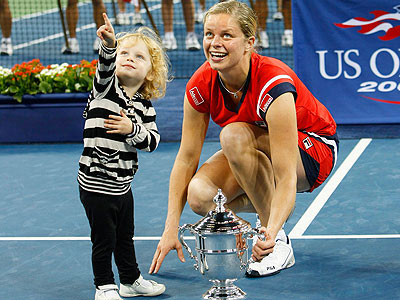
x: 182, y: 229
x: 250, y: 234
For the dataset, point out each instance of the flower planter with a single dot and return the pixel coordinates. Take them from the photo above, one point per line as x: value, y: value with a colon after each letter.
x: 42, y: 118
x: 57, y: 118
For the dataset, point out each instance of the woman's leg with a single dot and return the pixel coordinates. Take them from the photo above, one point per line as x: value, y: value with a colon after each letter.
x: 243, y: 170
x: 214, y: 174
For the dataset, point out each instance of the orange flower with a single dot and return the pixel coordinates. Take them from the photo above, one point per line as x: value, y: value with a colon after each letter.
x: 28, y: 78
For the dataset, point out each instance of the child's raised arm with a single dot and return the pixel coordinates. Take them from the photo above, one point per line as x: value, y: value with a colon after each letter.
x: 106, y: 32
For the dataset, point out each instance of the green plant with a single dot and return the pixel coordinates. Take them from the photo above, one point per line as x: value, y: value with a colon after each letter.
x: 33, y: 78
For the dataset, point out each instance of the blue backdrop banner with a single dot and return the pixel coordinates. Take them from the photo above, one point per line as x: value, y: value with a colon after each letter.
x: 347, y: 52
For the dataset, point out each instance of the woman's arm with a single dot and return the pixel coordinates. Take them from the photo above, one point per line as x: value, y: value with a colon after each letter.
x: 282, y: 126
x: 194, y: 129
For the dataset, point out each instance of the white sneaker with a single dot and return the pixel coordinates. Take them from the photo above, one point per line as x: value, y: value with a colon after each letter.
x: 191, y: 42
x: 281, y: 258
x: 6, y: 47
x: 141, y: 287
x: 263, y: 42
x: 278, y: 16
x: 96, y: 45
x: 123, y: 19
x: 107, y: 292
x: 137, y: 19
x: 199, y: 15
x: 73, y: 47
x: 169, y: 42
x: 287, y: 38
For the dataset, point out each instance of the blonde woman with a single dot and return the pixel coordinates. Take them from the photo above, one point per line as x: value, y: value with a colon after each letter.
x: 277, y: 138
x: 120, y: 119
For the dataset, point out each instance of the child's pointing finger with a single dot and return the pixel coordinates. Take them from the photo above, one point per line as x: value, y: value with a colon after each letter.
x: 106, y: 20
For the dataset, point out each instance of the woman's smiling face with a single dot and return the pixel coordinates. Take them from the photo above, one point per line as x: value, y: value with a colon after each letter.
x: 224, y: 43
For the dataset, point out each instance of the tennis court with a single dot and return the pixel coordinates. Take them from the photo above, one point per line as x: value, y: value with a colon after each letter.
x: 346, y: 234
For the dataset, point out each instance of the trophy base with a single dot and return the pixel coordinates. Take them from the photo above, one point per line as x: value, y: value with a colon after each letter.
x: 224, y: 290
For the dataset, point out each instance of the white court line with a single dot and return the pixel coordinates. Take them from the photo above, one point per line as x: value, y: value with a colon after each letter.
x: 350, y: 236
x: 45, y: 238
x: 312, y: 211
x: 42, y: 13
x: 50, y: 37
x: 76, y: 238
x: 157, y: 238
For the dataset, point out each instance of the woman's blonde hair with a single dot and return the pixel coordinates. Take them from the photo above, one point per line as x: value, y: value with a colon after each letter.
x: 243, y: 14
x: 155, y: 88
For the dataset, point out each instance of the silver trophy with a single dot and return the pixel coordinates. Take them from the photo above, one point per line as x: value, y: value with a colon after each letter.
x: 221, y: 249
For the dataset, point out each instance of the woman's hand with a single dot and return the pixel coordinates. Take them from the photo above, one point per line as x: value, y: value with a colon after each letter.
x: 119, y: 124
x: 263, y: 248
x: 106, y: 33
x: 168, y: 242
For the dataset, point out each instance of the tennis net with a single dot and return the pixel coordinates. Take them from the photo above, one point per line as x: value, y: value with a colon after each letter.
x: 37, y: 31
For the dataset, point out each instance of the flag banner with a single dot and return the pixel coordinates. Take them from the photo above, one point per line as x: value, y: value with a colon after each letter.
x: 347, y: 52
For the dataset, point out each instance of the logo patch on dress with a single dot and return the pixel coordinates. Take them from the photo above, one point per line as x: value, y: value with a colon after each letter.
x: 196, y: 97
x: 265, y: 102
x: 307, y: 143
x: 260, y: 123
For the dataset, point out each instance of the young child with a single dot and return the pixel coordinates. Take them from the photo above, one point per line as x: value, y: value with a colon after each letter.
x: 120, y: 118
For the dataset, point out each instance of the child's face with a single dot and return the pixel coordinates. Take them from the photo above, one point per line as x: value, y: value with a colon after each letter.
x: 133, y: 62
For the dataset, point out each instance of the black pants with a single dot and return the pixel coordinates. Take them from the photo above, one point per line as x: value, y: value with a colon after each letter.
x: 112, y: 227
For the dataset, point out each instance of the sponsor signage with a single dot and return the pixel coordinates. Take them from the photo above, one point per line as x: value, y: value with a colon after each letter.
x: 347, y: 52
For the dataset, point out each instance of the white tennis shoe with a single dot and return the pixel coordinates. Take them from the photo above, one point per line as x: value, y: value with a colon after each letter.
x: 73, y: 46
x: 199, y: 15
x: 107, y: 292
x: 6, y: 47
x: 287, y: 38
x: 169, y: 42
x: 191, y: 42
x: 278, y: 16
x: 137, y: 19
x: 123, y: 19
x: 281, y: 258
x: 141, y: 287
x: 96, y: 45
x: 263, y: 42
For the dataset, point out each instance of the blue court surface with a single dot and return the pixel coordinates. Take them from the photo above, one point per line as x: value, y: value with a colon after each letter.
x: 346, y: 234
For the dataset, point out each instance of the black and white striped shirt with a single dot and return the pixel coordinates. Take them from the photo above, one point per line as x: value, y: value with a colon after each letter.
x: 109, y: 161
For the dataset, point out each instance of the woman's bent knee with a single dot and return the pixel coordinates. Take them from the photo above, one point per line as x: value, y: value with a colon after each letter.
x: 200, y: 196
x: 235, y: 138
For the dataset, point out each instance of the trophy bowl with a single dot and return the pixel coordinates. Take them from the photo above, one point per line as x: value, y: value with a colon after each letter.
x: 221, y: 252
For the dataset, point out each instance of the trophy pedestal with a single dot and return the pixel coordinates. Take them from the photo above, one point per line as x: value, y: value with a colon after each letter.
x: 224, y: 290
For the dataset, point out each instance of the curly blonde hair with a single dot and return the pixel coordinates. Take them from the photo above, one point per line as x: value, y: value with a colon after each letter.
x: 160, y: 64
